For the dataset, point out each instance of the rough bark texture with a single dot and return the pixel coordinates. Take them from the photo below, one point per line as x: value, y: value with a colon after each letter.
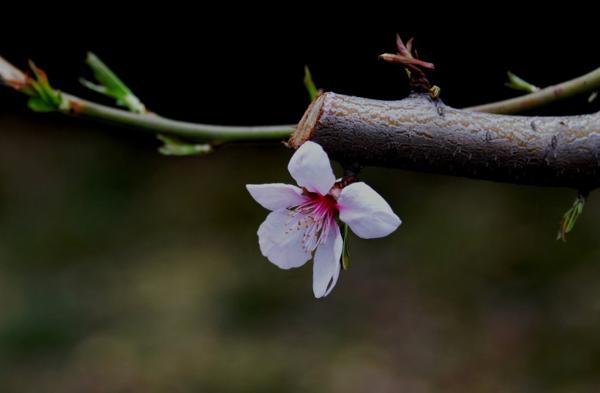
x: 421, y: 134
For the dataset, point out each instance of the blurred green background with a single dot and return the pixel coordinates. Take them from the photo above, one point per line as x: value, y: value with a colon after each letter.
x: 125, y: 271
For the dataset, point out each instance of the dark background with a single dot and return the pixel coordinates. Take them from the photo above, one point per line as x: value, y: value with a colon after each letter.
x: 125, y: 271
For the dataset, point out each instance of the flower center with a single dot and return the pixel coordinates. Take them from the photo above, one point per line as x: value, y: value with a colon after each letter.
x: 317, y: 217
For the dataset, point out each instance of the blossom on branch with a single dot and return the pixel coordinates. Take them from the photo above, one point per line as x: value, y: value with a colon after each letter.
x: 303, y: 223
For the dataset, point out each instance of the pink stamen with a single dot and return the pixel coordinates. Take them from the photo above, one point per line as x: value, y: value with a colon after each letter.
x: 319, y: 211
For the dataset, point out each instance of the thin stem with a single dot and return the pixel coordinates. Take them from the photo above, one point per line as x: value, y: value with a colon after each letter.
x: 583, y: 84
x: 157, y: 124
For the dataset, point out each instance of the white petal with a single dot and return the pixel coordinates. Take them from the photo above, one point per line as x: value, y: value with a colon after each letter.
x: 366, y: 212
x: 326, y: 267
x: 311, y: 169
x: 280, y: 238
x: 276, y: 196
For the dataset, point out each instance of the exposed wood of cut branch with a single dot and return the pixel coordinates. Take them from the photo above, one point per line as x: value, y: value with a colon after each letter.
x: 420, y: 134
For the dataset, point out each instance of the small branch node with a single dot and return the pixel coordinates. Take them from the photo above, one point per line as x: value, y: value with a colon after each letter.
x: 413, y: 66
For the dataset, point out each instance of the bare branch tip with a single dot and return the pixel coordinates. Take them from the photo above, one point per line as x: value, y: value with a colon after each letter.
x: 11, y: 75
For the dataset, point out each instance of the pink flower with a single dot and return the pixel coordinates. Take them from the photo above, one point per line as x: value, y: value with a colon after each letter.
x: 302, y: 222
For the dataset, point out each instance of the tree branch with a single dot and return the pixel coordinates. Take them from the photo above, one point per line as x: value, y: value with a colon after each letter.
x: 216, y: 134
x: 422, y: 134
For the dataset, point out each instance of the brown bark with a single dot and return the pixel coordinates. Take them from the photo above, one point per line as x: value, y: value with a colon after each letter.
x: 422, y: 134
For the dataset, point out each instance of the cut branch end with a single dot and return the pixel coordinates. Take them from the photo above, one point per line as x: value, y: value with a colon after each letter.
x: 305, y: 128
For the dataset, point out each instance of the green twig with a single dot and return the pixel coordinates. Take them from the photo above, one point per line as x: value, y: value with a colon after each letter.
x: 48, y: 98
x: 583, y: 84
x: 208, y: 133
